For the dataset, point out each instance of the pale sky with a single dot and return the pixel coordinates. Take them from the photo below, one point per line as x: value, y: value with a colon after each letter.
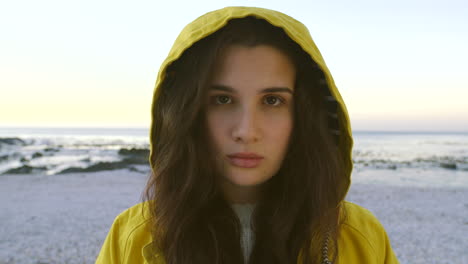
x: 399, y: 65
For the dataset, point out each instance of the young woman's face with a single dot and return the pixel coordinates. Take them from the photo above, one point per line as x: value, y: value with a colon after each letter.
x: 250, y: 116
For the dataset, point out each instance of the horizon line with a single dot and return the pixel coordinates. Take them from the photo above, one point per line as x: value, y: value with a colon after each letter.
x: 147, y: 128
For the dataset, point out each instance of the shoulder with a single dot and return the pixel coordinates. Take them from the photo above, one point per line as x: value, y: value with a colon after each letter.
x: 360, y: 219
x: 362, y: 237
x: 128, y: 235
x: 133, y: 218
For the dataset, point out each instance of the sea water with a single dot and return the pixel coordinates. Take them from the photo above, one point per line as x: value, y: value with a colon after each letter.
x: 49, y: 151
x: 52, y: 150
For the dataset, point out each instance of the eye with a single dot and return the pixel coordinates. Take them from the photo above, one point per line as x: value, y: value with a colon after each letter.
x: 273, y: 100
x: 222, y: 99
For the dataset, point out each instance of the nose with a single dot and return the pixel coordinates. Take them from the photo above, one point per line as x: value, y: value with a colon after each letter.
x: 246, y: 128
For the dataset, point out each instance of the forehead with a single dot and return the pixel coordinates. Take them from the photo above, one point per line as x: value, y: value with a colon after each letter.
x: 257, y: 66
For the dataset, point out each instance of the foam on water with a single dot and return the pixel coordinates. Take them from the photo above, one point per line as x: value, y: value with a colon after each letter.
x: 55, y: 150
x: 411, y: 150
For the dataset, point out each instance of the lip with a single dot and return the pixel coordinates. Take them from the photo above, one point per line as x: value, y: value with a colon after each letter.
x: 245, y: 159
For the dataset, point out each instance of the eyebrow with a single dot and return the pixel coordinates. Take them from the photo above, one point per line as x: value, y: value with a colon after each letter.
x: 266, y: 90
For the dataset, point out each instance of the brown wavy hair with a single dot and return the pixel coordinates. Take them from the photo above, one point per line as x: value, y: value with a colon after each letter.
x: 192, y: 220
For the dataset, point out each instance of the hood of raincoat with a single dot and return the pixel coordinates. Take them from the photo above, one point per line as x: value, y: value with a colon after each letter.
x: 209, y: 23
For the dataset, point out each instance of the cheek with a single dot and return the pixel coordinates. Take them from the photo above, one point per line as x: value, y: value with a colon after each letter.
x: 280, y: 126
x: 216, y: 126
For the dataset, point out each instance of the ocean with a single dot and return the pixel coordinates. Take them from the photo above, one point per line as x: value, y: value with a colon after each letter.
x: 51, y: 151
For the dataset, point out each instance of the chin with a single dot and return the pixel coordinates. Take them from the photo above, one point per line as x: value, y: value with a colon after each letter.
x: 246, y: 180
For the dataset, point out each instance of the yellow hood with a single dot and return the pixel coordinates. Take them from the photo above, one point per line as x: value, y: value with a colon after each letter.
x: 213, y: 21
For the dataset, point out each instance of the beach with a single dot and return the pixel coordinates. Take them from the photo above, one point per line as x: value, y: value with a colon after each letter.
x: 65, y: 218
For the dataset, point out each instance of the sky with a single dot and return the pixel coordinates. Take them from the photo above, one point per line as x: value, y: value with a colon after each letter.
x: 400, y: 65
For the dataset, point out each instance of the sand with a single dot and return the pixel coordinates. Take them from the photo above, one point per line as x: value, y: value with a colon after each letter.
x: 65, y: 218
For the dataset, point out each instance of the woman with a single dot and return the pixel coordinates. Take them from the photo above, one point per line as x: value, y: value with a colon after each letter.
x: 250, y: 154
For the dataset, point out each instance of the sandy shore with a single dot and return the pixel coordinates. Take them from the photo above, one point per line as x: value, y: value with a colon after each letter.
x: 65, y: 218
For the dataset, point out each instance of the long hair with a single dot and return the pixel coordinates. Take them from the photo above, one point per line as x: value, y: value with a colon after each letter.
x: 192, y: 220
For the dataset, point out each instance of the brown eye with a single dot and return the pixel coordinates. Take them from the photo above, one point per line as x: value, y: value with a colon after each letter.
x: 273, y: 100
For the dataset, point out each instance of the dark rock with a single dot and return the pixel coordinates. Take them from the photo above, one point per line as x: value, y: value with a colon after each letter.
x: 25, y: 169
x: 452, y: 166
x: 4, y: 158
x: 23, y: 159
x: 135, y: 156
x: 101, y: 166
x: 37, y: 155
x: 12, y: 141
x: 135, y: 160
x: 51, y: 150
x: 10, y: 156
x: 134, y: 152
x: 130, y: 157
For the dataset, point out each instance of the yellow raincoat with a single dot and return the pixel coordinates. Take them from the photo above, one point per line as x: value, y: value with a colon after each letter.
x: 362, y: 238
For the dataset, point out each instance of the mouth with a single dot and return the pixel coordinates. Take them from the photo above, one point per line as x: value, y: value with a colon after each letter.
x: 245, y: 160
